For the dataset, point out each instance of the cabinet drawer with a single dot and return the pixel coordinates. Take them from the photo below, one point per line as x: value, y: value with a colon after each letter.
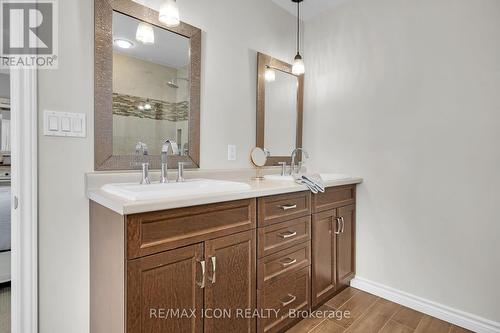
x: 282, y: 263
x: 334, y: 197
x: 279, y: 208
x: 277, y: 237
x: 288, y: 293
x: 149, y: 233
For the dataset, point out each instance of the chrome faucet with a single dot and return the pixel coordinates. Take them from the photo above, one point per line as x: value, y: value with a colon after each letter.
x: 294, y: 156
x: 145, y: 174
x: 164, y: 158
x: 180, y: 174
x: 283, y: 168
x: 141, y: 149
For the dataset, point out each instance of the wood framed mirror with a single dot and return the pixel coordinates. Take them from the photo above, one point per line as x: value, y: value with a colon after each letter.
x: 147, y: 88
x: 280, y: 105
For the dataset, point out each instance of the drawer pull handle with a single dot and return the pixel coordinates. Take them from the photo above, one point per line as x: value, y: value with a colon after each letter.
x: 288, y: 207
x: 288, y: 262
x: 337, y: 226
x: 288, y: 234
x: 214, y: 261
x: 203, y: 271
x: 289, y: 301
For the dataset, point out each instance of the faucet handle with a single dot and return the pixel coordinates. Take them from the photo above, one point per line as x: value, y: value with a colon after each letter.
x: 283, y: 168
x: 180, y: 172
x: 145, y: 174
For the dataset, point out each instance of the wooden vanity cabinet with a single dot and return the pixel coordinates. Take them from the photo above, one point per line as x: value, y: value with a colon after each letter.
x: 161, y: 282
x: 324, y: 252
x: 284, y: 259
x: 346, y: 242
x: 333, y: 242
x: 174, y: 280
x: 150, y: 271
x: 231, y: 282
x: 146, y: 280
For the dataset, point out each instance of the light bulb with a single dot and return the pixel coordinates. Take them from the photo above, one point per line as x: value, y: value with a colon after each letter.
x: 141, y: 107
x: 145, y: 33
x: 147, y: 106
x: 169, y: 13
x: 270, y: 74
x: 298, y: 65
x: 123, y: 43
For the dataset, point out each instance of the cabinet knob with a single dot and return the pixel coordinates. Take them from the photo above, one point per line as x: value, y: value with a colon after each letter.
x: 288, y: 234
x: 203, y: 271
x: 214, y: 261
x: 288, y: 261
x: 288, y: 207
x: 290, y: 300
x: 337, y: 226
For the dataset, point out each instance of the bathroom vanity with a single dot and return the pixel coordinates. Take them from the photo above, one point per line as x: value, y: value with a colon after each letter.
x: 225, y: 265
x: 205, y: 255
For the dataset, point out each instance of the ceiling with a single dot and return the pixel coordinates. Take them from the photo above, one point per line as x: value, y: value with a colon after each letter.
x: 308, y: 8
x: 169, y: 49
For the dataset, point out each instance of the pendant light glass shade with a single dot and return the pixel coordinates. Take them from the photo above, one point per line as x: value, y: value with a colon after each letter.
x: 145, y: 33
x: 298, y: 65
x: 169, y: 14
x: 270, y: 74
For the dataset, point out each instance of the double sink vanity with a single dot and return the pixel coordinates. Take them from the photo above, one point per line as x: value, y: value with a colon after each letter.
x: 214, y: 251
x: 255, y: 253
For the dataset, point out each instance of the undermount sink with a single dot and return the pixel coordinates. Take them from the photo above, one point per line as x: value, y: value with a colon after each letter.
x: 325, y: 176
x: 136, y: 192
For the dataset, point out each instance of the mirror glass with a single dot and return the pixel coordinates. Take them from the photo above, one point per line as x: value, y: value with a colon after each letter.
x: 281, y: 112
x: 150, y: 87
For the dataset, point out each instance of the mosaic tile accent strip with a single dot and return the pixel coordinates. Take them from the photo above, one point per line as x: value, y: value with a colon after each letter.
x: 127, y: 105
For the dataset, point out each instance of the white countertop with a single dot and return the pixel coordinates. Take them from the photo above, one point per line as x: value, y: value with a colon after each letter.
x: 258, y: 188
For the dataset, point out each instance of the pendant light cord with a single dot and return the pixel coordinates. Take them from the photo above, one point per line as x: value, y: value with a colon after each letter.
x: 298, y: 26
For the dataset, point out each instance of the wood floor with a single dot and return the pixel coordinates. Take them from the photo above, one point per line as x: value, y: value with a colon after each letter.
x: 4, y: 308
x: 369, y: 313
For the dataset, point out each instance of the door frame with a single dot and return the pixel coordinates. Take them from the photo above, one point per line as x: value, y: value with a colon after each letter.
x: 24, y: 195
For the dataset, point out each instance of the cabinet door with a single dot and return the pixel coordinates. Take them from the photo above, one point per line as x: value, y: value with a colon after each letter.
x: 345, y: 244
x: 160, y: 285
x: 231, y: 280
x: 324, y: 281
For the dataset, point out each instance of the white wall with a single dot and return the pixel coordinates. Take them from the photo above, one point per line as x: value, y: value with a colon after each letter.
x: 4, y: 85
x: 406, y: 95
x: 233, y: 32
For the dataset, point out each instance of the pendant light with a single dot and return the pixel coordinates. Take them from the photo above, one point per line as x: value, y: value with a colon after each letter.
x: 270, y: 74
x: 145, y: 33
x: 169, y: 13
x: 298, y: 63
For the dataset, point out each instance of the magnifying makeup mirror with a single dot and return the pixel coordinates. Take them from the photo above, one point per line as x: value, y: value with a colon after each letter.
x: 259, y: 159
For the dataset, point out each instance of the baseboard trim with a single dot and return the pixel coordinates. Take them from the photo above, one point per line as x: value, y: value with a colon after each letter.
x: 440, y: 311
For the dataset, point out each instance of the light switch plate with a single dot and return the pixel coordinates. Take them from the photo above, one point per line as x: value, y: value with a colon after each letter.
x: 64, y: 124
x: 231, y: 153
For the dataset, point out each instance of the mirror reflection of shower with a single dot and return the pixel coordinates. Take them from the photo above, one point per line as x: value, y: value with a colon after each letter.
x: 181, y: 86
x: 174, y: 82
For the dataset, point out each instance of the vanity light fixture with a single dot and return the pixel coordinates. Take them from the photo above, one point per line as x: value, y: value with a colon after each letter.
x: 123, y: 43
x: 169, y: 13
x: 298, y: 63
x: 270, y: 74
x: 145, y: 33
